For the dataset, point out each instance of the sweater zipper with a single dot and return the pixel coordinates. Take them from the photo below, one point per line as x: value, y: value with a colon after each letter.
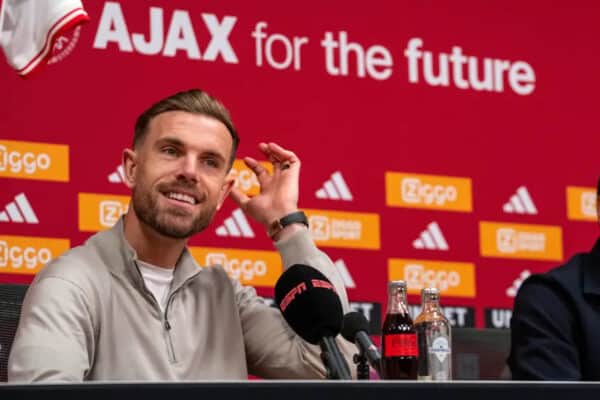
x: 167, y: 325
x: 170, y: 348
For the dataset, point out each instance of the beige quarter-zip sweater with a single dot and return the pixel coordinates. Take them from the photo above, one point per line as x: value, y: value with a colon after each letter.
x: 88, y: 316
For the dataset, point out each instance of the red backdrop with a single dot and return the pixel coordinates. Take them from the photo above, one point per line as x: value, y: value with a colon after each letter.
x: 341, y: 85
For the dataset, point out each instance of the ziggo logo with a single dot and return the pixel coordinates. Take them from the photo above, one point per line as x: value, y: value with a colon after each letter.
x: 588, y: 204
x: 29, y: 162
x: 18, y: 257
x: 245, y: 179
x: 414, y: 191
x: 245, y: 269
x: 418, y: 277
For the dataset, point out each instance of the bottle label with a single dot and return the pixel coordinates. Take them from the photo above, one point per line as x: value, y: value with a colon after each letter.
x: 440, y: 348
x: 401, y: 345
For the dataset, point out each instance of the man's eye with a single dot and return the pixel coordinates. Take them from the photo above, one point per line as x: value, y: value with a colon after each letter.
x: 211, y: 162
x: 171, y: 151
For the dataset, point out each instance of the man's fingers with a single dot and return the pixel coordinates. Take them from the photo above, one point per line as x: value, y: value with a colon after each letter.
x: 281, y: 158
x: 282, y: 154
x: 273, y: 159
x: 239, y: 197
x: 261, y: 172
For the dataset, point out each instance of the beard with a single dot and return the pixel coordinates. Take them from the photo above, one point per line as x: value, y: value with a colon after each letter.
x: 170, y: 222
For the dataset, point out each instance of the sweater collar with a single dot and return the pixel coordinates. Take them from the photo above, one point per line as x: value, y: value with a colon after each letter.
x: 121, y: 257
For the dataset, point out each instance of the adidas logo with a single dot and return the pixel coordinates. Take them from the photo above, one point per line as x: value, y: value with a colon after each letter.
x: 236, y: 225
x: 335, y: 188
x: 520, y: 203
x: 346, y: 277
x: 19, y: 211
x: 512, y: 291
x: 118, y: 176
x: 431, y: 238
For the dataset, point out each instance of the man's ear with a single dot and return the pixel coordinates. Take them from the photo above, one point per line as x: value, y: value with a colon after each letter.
x: 225, y: 190
x: 129, y: 167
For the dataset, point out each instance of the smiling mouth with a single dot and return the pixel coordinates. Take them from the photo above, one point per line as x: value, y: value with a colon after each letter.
x: 182, y: 197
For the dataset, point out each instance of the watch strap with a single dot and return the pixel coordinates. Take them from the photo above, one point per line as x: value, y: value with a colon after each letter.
x: 297, y: 217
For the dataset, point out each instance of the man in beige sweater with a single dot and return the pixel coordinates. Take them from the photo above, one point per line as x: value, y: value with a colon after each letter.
x: 132, y: 304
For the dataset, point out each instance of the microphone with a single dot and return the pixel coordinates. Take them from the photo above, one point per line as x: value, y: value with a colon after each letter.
x: 355, y: 329
x: 312, y: 308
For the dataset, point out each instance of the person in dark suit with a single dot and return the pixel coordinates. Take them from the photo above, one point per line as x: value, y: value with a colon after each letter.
x: 555, y: 326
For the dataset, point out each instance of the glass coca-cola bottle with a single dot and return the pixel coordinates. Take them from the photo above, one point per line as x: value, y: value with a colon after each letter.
x: 398, y: 337
x: 434, y: 337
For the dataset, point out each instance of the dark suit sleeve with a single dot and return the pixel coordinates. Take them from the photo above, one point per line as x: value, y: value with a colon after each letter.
x: 543, y: 333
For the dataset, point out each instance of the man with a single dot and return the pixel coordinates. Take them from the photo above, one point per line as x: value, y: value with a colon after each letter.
x: 131, y: 303
x: 556, y: 321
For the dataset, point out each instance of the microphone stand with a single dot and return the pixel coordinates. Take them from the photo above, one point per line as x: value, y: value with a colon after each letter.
x: 362, y: 368
x: 335, y: 364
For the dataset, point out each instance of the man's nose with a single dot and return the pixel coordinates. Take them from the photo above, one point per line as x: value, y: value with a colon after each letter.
x: 189, y: 168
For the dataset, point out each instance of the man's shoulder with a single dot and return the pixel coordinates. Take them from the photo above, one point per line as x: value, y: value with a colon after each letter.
x: 564, y: 280
x: 80, y: 265
x: 570, y: 273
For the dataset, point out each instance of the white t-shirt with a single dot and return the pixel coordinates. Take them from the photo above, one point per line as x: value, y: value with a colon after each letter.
x: 158, y: 281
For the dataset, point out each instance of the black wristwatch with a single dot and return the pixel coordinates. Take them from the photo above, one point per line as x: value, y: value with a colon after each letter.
x: 297, y: 217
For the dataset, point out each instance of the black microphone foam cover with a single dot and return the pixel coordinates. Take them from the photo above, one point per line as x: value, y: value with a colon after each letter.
x: 353, y: 323
x: 309, y: 303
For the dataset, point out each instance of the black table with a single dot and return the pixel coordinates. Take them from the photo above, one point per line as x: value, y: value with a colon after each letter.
x: 307, y: 390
